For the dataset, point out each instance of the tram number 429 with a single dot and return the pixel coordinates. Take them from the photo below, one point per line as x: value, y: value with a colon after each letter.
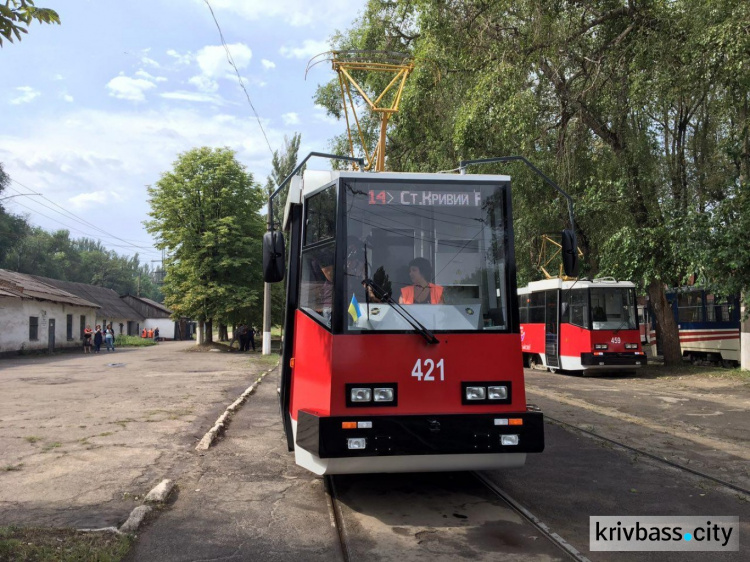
x: 429, y: 373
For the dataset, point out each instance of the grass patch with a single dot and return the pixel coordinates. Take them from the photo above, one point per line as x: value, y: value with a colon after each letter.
x: 269, y: 360
x: 123, y: 423
x: 133, y: 341
x: 11, y: 467
x: 49, y: 446
x: 658, y: 371
x: 61, y: 545
x: 106, y: 434
x: 33, y: 439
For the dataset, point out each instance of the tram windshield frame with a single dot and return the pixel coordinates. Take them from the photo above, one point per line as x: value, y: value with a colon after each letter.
x: 613, y: 308
x: 459, y: 230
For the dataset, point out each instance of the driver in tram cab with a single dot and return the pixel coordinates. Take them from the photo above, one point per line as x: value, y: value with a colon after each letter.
x: 421, y: 291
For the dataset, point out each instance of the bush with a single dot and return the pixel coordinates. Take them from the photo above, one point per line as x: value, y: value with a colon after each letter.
x: 133, y: 341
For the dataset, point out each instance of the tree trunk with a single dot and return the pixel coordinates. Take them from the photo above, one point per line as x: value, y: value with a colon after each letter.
x: 209, y: 332
x: 665, y: 322
x: 223, y: 334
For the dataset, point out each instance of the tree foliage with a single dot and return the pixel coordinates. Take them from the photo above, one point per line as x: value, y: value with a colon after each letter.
x: 204, y: 213
x: 17, y: 15
x: 639, y: 110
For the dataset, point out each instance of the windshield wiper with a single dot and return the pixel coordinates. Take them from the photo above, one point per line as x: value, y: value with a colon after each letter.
x: 413, y: 322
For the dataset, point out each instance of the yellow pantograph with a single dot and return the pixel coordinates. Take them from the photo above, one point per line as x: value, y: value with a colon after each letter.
x: 552, y: 251
x: 345, y: 63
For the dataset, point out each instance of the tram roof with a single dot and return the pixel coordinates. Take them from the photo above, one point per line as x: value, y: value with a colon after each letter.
x: 548, y: 284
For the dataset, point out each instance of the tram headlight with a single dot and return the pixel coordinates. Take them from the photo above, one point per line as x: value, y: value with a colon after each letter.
x: 631, y: 346
x: 356, y: 443
x: 476, y: 393
x: 509, y: 439
x: 600, y: 346
x: 383, y: 395
x: 497, y: 392
x: 361, y: 395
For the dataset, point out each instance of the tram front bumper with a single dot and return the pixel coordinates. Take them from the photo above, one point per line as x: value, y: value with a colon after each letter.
x: 384, y: 435
x: 613, y: 359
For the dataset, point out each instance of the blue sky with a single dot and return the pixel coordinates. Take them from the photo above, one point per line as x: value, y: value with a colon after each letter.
x: 94, y: 110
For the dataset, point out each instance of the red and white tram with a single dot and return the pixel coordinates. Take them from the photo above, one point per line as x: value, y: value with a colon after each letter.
x: 433, y: 383
x: 580, y: 325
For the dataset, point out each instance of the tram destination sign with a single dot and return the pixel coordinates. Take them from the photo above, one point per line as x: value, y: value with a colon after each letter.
x: 424, y: 198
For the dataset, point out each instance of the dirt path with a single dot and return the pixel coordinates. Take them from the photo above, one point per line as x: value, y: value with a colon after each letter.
x: 84, y: 437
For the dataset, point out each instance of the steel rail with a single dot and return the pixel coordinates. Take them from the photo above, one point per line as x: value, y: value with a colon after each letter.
x: 729, y: 485
x: 567, y: 548
x: 337, y: 518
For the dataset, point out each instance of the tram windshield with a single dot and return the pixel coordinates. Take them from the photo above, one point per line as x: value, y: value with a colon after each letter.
x: 438, y: 249
x: 613, y: 308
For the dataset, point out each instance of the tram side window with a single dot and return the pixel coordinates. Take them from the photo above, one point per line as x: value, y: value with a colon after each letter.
x: 523, y: 308
x: 536, y: 308
x: 718, y: 309
x: 579, y: 308
x: 320, y: 222
x: 690, y: 307
x: 318, y: 256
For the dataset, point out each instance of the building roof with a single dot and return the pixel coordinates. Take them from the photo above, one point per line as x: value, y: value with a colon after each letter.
x: 110, y: 303
x: 20, y: 285
x: 154, y: 304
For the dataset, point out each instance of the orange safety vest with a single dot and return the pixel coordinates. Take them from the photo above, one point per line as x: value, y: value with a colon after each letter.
x: 143, y: 333
x: 436, y: 294
x: 151, y: 333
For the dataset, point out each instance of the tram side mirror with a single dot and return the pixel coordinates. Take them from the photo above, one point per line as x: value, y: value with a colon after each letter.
x: 274, y: 257
x: 569, y: 253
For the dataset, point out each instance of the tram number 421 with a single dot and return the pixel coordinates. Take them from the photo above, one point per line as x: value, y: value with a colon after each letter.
x: 430, y: 367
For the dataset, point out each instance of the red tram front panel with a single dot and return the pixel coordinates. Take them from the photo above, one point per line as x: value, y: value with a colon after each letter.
x: 429, y: 416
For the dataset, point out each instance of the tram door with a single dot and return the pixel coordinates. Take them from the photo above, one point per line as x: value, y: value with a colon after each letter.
x: 551, y: 327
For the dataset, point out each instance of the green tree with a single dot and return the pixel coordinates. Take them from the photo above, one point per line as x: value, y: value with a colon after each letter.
x: 639, y: 110
x: 17, y: 15
x: 204, y: 213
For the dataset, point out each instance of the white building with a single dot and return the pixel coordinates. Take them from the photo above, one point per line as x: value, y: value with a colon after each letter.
x: 112, y: 309
x: 38, y: 316
x: 157, y: 316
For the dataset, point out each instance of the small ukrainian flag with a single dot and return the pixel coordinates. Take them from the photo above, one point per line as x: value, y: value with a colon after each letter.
x: 354, y: 310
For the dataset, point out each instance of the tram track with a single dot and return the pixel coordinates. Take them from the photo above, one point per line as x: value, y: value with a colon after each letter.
x: 646, y: 454
x: 348, y: 552
x: 569, y: 550
x: 337, y: 518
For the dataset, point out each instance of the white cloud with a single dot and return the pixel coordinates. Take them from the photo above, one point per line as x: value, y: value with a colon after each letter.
x: 298, y: 13
x: 28, y: 94
x: 213, y: 59
x: 66, y: 97
x: 267, y: 64
x: 58, y: 77
x: 290, y: 119
x: 126, y: 88
x: 182, y: 59
x: 87, y: 200
x: 193, y: 96
x: 146, y: 76
x: 150, y: 62
x: 309, y: 49
x: 204, y: 83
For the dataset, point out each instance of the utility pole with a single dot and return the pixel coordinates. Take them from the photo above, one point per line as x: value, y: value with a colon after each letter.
x: 266, y: 348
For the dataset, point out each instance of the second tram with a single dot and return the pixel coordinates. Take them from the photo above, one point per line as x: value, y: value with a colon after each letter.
x: 402, y: 348
x: 582, y: 325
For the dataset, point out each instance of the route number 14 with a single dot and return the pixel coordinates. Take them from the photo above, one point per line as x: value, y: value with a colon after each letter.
x: 429, y: 366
